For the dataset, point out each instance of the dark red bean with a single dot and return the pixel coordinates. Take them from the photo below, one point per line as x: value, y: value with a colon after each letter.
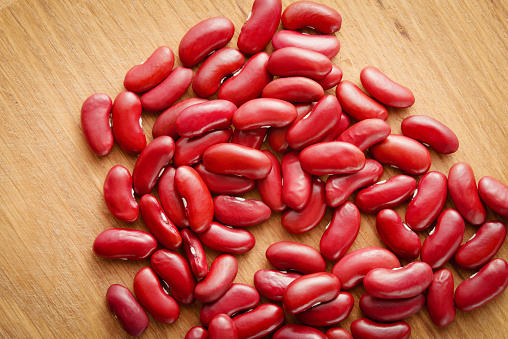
x: 218, y: 280
x: 126, y: 118
x: 367, y: 329
x: 294, y: 89
x: 297, y: 186
x: 222, y: 327
x: 127, y: 310
x: 188, y: 151
x: 390, y: 310
x: 119, y: 243
x: 95, y: 123
x: 197, y: 332
x: 170, y: 198
x: 204, y: 38
x: 158, y: 223
x: 431, y: 132
x: 291, y: 331
x: 338, y: 333
x: 224, y: 183
x: 236, y: 211
x: 287, y: 255
x: 332, y: 79
x: 252, y: 138
x: 358, y: 104
x: 195, y: 253
x: 277, y: 136
x: 332, y: 157
x: 328, y: 313
x: 259, y: 322
x: 198, y: 119
x: 400, y: 239
x: 272, y: 283
x: 440, y: 298
x: 153, y: 71
x: 328, y: 45
x: 366, y: 133
x: 295, y: 61
x: 311, y: 14
x: 494, y: 194
x: 119, y: 196
x: 384, y: 89
x: 227, y: 239
x: 264, y: 112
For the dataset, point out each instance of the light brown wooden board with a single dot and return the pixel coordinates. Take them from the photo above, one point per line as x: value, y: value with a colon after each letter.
x: 54, y: 54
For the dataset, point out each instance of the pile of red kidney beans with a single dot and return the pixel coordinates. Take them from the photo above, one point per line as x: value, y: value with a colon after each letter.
x: 312, y: 131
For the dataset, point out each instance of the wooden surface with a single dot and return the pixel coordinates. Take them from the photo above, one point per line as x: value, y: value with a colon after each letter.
x: 54, y: 54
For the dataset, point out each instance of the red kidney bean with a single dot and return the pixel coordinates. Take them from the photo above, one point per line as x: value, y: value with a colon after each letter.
x: 188, y: 151
x: 328, y: 313
x: 259, y: 322
x: 127, y: 310
x: 95, y: 114
x: 444, y: 240
x: 119, y: 196
x: 328, y: 45
x: 308, y: 290
x: 218, y: 280
x: 238, y: 298
x: 340, y: 187
x: 482, y: 246
x: 338, y: 333
x: 195, y: 253
x: 221, y: 64
x: 260, y: 26
x: 203, y: 38
x: 236, y: 211
x: 294, y: 89
x: 249, y: 162
x: 149, y: 74
x: 358, y: 104
x: 199, y: 203
x: 398, y: 283
x: 198, y: 119
x: 366, y: 133
x: 150, y: 164
x: 402, y: 152
x: 224, y: 183
x: 222, y: 327
x: 384, y: 89
x: 165, y: 123
x: 264, y: 112
x: 367, y: 329
x: 272, y: 284
x: 320, y: 122
x: 287, y: 255
x: 431, y: 132
x: 341, y: 232
x: 390, y: 310
x: 119, y: 243
x: 494, y: 194
x: 351, y: 268
x: 277, y: 136
x: 158, y: 223
x: 150, y: 294
x: 483, y: 286
x: 249, y: 82
x: 170, y: 198
x: 295, y: 61
x: 440, y: 298
x: 291, y: 331
x: 332, y: 79
x: 385, y: 194
x: 311, y: 14
x: 332, y: 157
x: 297, y: 187
x: 126, y: 118
x: 176, y: 272
x: 197, y: 332
x: 428, y: 201
x: 227, y: 239
x: 339, y: 128
x: 400, y: 239
x: 305, y: 219
x: 252, y: 138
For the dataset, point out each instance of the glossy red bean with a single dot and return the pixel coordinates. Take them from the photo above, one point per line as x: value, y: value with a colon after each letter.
x: 222, y: 327
x: 351, y: 268
x: 198, y: 119
x: 119, y: 196
x: 252, y: 138
x: 119, y: 243
x: 221, y: 64
x: 260, y: 26
x: 287, y: 255
x: 358, y: 104
x: 366, y: 133
x: 272, y: 283
x: 431, y: 132
x: 482, y: 287
x: 332, y: 79
x: 291, y: 331
x: 195, y: 253
x: 440, y: 298
x: 95, y: 113
x: 339, y: 128
x: 235, y: 159
x: 390, y: 310
x: 328, y: 45
x: 340, y: 187
x: 218, y: 280
x: 259, y: 322
x: 399, y: 238
x: 402, y: 152
x: 297, y: 186
x: 150, y: 73
x: 176, y: 272
x: 150, y: 294
x: 224, y: 183
x: 294, y: 89
x: 236, y: 211
x: 386, y: 194
x: 197, y: 332
x: 150, y: 164
x: 127, y: 310
x: 295, y: 61
x: 332, y: 157
x: 338, y: 333
x: 305, y: 219
x: 170, y: 198
x: 311, y: 14
x: 227, y: 239
x: 158, y: 223
x: 264, y: 112
x: 482, y: 246
x: 270, y: 187
x: 494, y: 194
x: 188, y: 151
x: 384, y: 89
x: 367, y: 329
x: 276, y: 137
x: 328, y: 313
x: 203, y: 38
x: 428, y: 201
x: 444, y: 240
x: 126, y: 118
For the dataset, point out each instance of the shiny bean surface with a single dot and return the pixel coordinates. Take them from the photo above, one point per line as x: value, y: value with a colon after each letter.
x: 367, y: 329
x: 235, y: 211
x: 332, y: 157
x: 440, y: 298
x: 95, y: 113
x: 295, y: 61
x: 264, y: 112
x: 431, y: 132
x: 366, y: 133
x: 126, y: 118
x: 119, y: 243
x: 272, y: 283
x: 260, y: 322
x: 270, y: 187
x: 127, y: 310
x: 390, y: 310
x: 118, y: 194
x: 384, y: 89
x: 188, y: 151
x: 218, y: 280
x: 358, y: 104
x: 328, y: 313
x: 328, y: 45
x: 397, y: 236
x: 294, y: 89
x: 150, y: 73
x: 311, y: 14
x: 287, y: 255
x: 227, y: 239
x: 494, y: 194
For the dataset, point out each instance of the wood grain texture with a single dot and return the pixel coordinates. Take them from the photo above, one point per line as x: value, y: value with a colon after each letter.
x: 54, y: 54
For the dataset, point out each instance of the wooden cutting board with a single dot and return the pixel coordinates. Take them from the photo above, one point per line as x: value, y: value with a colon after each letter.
x: 54, y: 54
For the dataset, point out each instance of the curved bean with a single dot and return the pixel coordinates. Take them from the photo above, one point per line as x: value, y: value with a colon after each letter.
x: 197, y: 332
x: 227, y: 239
x: 127, y: 310
x: 291, y: 331
x: 440, y: 298
x: 188, y: 151
x: 198, y: 119
x: 218, y: 280
x: 338, y: 129
x: 328, y: 313
x: 384, y: 89
x: 252, y: 138
x: 118, y: 194
x: 311, y: 14
x: 95, y: 113
x: 150, y: 73
x: 287, y: 255
x: 297, y: 186
x: 224, y: 183
x: 367, y: 329
x: 397, y: 236
x: 222, y: 327
x: 358, y: 104
x: 293, y: 89
x: 366, y: 133
x: 119, y: 243
x: 165, y: 124
x: 332, y: 79
x: 158, y: 223
x: 494, y: 194
x: 295, y: 61
x: 170, y: 198
x: 390, y: 310
x: 195, y: 253
x: 272, y: 284
x: 328, y: 45
x: 338, y: 333
x: 431, y: 132
x: 259, y: 322
x: 264, y: 112
x: 235, y: 211
x: 332, y: 157
x: 126, y: 118
x: 276, y: 137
